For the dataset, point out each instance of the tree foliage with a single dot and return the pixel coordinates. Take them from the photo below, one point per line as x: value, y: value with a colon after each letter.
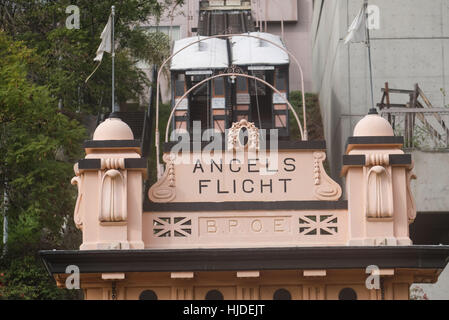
x: 314, y: 122
x: 38, y: 146
x: 69, y: 53
x: 43, y: 67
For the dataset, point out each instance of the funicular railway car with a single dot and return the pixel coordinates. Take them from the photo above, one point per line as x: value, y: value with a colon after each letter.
x: 224, y: 100
x: 255, y: 101
x: 189, y: 67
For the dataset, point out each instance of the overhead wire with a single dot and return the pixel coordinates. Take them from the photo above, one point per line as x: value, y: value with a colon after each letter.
x: 255, y: 86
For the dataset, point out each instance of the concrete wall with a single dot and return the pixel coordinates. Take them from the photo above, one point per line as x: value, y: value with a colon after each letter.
x: 438, y: 290
x: 297, y: 38
x: 331, y: 76
x: 431, y: 189
x: 411, y: 46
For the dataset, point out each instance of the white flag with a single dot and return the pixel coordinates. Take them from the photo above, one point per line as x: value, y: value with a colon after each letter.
x: 106, y: 38
x: 357, y: 30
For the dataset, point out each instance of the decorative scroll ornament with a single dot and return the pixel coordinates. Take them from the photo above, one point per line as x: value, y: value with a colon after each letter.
x: 379, y: 194
x: 113, y: 202
x: 411, y: 206
x: 165, y: 189
x: 233, y: 69
x: 234, y: 141
x: 78, y: 181
x: 228, y: 30
x: 375, y: 159
x: 325, y: 187
x: 113, y: 163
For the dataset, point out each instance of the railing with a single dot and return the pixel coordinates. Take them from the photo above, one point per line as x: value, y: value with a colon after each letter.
x: 422, y: 126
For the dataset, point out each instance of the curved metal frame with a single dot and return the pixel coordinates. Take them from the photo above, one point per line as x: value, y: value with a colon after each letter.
x: 230, y: 75
x: 304, y: 136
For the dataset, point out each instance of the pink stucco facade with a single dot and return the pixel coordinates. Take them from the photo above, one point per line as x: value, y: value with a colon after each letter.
x: 209, y: 202
x: 247, y: 219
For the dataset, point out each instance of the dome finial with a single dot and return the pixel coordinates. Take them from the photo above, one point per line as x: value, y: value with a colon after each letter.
x: 372, y: 111
x: 113, y: 128
x: 373, y: 125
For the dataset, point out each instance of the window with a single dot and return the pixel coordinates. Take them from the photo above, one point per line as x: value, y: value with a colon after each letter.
x: 219, y: 87
x: 148, y: 295
x: 242, y: 84
x: 347, y: 294
x: 282, y: 294
x: 256, y: 87
x: 199, y: 102
x: 179, y: 88
x: 214, y: 295
x: 281, y: 80
x: 174, y: 34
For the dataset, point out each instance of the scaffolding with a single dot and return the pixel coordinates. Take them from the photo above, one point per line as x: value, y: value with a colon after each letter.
x: 422, y: 125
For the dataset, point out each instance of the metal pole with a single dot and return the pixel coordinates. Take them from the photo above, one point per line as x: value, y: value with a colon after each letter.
x: 113, y: 60
x: 5, y: 201
x: 265, y: 16
x: 282, y: 29
x: 5, y: 218
x: 368, y: 44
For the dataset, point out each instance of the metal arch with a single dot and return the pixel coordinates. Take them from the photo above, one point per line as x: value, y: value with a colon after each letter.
x: 304, y: 136
x: 232, y: 74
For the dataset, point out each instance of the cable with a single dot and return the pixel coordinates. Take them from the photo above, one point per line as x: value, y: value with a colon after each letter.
x: 255, y: 85
x: 208, y: 104
x: 257, y: 103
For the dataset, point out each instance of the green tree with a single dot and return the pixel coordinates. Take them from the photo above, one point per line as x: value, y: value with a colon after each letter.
x: 44, y: 65
x: 69, y: 54
x: 38, y: 147
x: 313, y: 114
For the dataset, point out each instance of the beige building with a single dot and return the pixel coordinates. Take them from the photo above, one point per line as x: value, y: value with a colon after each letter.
x: 246, y: 221
x: 244, y: 215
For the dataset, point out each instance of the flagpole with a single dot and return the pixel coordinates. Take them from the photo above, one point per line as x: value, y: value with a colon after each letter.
x: 5, y: 205
x: 113, y: 60
x: 368, y: 44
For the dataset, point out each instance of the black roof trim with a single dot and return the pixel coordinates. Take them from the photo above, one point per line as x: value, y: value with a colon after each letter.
x: 398, y: 159
x: 89, y: 164
x: 360, y: 159
x: 354, y: 160
x: 136, y: 163
x: 107, y: 144
x: 243, y: 205
x: 375, y: 140
x: 103, y: 261
x: 95, y: 164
